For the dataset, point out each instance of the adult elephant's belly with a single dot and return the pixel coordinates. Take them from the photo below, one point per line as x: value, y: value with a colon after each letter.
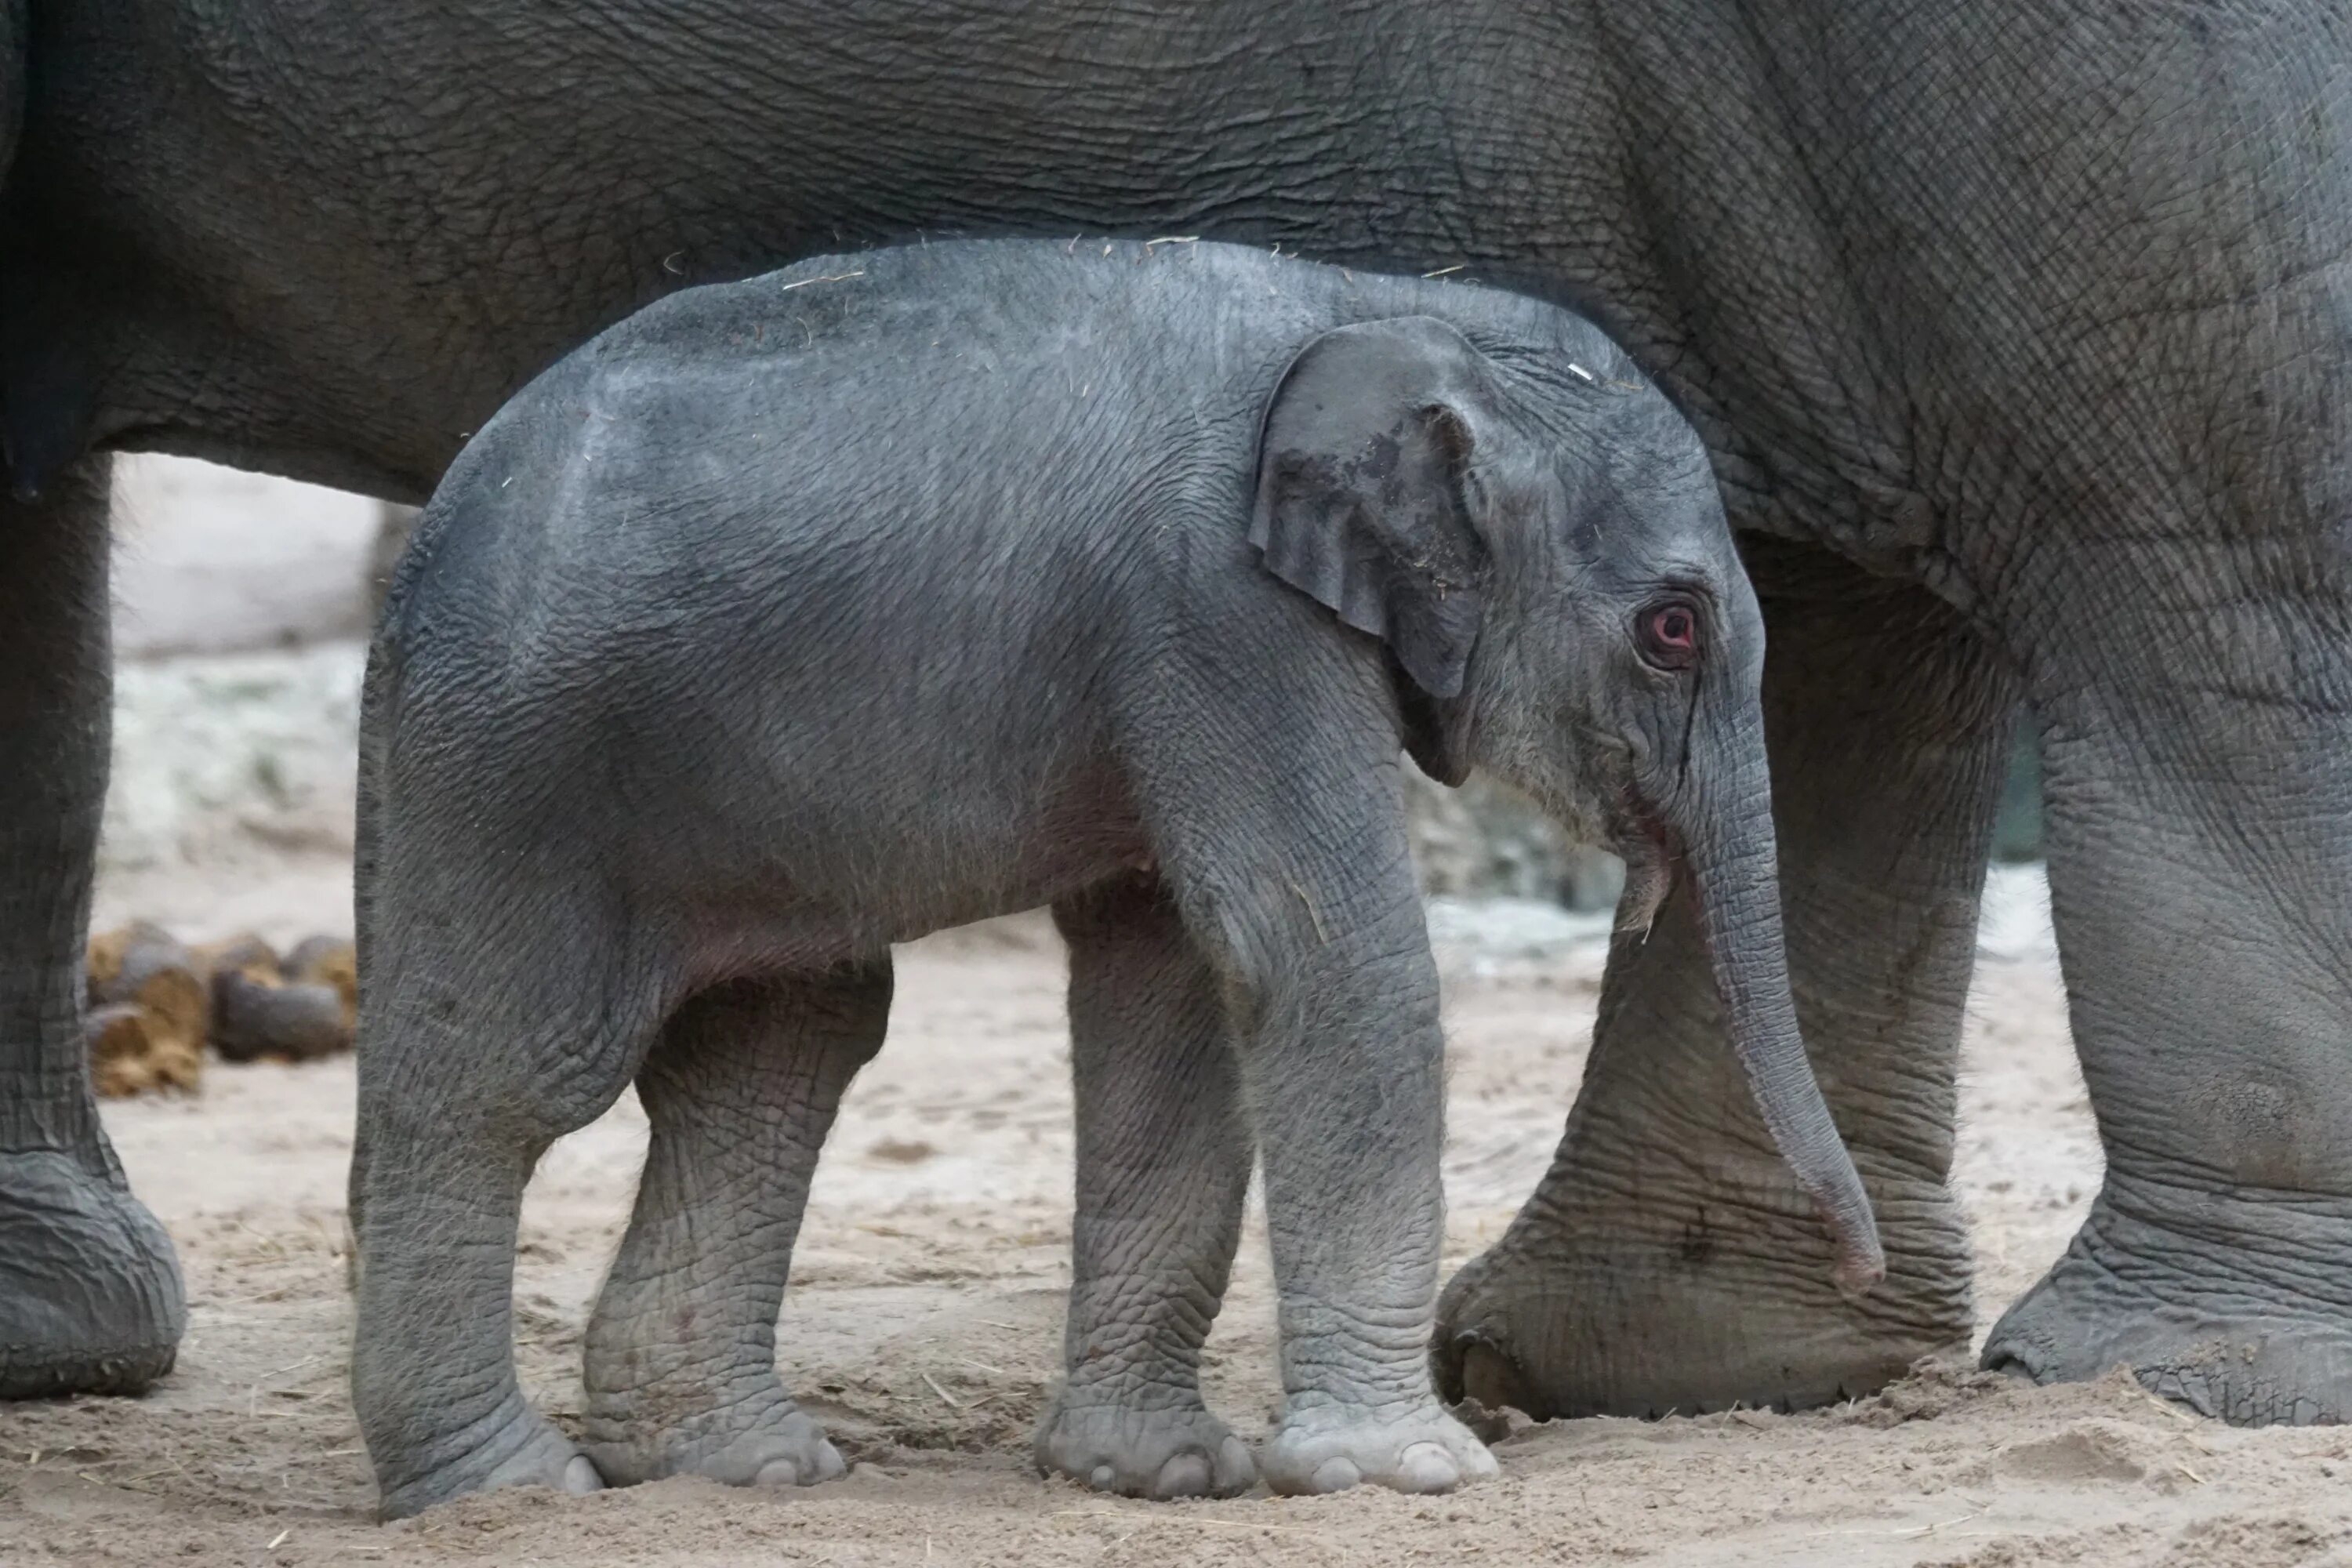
x: 333, y: 254
x: 329, y: 245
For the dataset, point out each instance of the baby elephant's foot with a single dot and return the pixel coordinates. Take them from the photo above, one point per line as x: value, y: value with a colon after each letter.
x: 776, y: 1446
x: 1331, y: 1448
x: 1178, y: 1452
x: 532, y: 1453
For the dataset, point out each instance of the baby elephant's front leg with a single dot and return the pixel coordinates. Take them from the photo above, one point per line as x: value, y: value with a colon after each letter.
x: 1335, y: 997
x: 1163, y: 1164
x: 681, y: 1352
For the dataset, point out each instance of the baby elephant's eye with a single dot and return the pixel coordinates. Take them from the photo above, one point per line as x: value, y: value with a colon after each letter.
x: 1667, y: 635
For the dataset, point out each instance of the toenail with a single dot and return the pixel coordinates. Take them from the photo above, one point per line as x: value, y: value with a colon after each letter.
x: 581, y: 1476
x: 1102, y: 1478
x: 1427, y: 1468
x: 1335, y: 1475
x: 1186, y: 1474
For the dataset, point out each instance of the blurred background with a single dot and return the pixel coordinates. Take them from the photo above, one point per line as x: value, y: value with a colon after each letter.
x: 241, y: 605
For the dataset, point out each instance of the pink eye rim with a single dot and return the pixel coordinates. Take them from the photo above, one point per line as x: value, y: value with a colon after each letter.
x: 1666, y: 633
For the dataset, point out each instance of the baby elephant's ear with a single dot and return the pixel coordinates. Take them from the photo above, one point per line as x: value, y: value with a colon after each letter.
x: 1362, y: 484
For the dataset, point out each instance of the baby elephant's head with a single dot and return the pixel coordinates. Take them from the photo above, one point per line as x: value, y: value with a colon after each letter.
x: 1537, y: 539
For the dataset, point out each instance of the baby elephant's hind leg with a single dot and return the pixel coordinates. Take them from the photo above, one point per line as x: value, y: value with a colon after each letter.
x: 1163, y: 1164
x: 681, y: 1352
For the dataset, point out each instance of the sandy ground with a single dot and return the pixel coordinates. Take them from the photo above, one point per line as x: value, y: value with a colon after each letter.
x: 923, y: 1326
x: 924, y: 1319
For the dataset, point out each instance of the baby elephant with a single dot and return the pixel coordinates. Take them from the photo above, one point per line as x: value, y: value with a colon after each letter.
x: 795, y: 618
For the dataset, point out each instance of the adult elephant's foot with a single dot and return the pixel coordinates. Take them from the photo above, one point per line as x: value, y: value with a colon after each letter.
x: 764, y: 1441
x: 90, y: 1292
x: 1613, y: 1302
x: 2201, y: 880
x: 1331, y: 1447
x: 1130, y: 1450
x: 516, y: 1447
x: 2234, y: 1308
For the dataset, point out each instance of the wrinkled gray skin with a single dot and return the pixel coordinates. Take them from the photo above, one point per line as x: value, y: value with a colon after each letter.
x: 2015, y: 329
x: 798, y: 616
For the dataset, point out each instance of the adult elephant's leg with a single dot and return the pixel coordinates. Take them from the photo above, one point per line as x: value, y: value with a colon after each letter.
x: 1667, y: 1260
x: 2198, y: 825
x: 89, y: 1294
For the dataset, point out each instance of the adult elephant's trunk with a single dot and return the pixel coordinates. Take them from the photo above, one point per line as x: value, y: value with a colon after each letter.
x: 1731, y: 860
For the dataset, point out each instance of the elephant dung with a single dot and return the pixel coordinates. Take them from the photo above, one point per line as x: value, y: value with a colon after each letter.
x: 332, y: 963
x: 290, y: 1011
x: 150, y: 1012
x: 154, y: 1003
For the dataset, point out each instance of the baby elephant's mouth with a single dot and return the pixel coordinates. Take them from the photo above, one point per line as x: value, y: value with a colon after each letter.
x: 1649, y: 849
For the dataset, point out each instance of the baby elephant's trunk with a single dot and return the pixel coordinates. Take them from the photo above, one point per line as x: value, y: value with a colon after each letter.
x: 1732, y: 860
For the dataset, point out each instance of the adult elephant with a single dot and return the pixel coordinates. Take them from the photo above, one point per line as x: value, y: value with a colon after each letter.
x: 2019, y: 332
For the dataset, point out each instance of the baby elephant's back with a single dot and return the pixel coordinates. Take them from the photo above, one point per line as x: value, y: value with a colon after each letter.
x: 932, y: 416
x: 930, y: 379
